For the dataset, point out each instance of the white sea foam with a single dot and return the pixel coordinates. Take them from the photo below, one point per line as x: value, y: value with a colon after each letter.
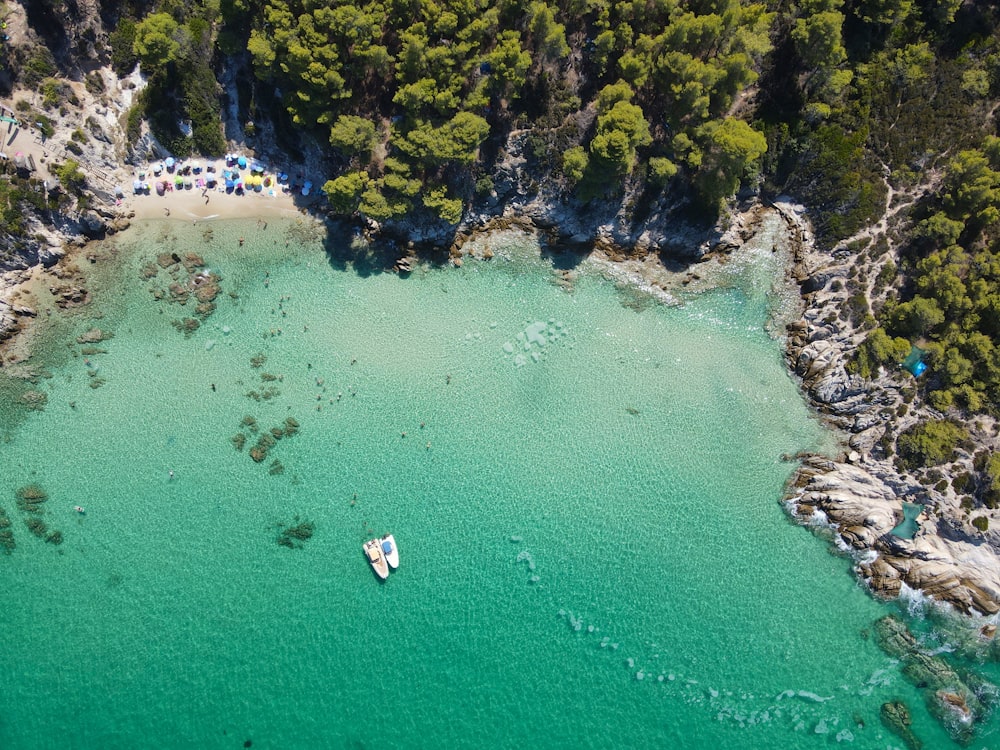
x: 813, y: 697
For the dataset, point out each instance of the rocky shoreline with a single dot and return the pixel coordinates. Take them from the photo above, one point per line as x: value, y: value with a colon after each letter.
x: 860, y: 496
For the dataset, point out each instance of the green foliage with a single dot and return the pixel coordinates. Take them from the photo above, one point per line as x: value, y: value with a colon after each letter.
x: 156, y: 43
x: 354, y: 136
x: 447, y: 209
x: 992, y: 471
x: 70, y: 175
x: 344, y: 192
x: 549, y: 36
x: 879, y: 350
x: 730, y: 149
x: 835, y: 174
x: 940, y: 229
x: 122, y: 43
x: 457, y: 140
x: 819, y: 40
x: 39, y: 65
x: 574, y: 163
x: 509, y: 63
x: 621, y: 129
x: 981, y: 522
x: 929, y: 443
x: 133, y: 121
x: 661, y: 171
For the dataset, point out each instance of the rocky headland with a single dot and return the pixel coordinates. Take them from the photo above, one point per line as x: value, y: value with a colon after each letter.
x: 859, y: 495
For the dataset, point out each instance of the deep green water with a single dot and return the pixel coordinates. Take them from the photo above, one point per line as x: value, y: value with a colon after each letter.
x: 593, y: 553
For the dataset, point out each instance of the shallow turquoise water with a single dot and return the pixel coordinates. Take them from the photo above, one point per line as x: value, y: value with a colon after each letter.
x: 592, y: 550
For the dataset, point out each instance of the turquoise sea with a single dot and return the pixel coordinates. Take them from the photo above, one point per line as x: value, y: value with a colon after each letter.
x: 584, y: 485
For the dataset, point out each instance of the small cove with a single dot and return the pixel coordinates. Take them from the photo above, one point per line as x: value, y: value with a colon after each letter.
x: 584, y: 495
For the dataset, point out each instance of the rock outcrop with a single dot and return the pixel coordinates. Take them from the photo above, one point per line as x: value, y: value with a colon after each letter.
x: 862, y: 509
x: 862, y: 500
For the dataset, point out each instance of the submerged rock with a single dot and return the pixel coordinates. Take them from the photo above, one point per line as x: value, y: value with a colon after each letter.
x: 94, y: 336
x: 293, y: 536
x: 958, y: 699
x: 896, y: 716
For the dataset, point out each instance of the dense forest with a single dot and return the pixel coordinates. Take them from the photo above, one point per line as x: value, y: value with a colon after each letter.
x: 854, y: 107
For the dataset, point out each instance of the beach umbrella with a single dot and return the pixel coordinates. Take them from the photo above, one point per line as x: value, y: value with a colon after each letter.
x: 119, y: 192
x: 306, y: 187
x: 258, y: 167
x: 179, y: 181
x: 196, y: 167
x: 169, y: 161
x: 210, y: 180
x: 210, y: 167
x: 230, y: 183
x: 283, y: 177
x: 137, y: 186
x: 242, y: 162
x: 188, y: 184
x: 157, y: 168
x: 161, y: 187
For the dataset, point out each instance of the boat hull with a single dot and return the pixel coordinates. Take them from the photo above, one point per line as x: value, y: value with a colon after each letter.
x: 373, y: 551
x: 392, y: 554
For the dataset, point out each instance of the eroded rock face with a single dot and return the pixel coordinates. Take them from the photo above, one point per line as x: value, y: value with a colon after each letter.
x: 863, y: 509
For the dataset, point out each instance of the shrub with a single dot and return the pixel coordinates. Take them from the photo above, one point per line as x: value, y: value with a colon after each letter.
x: 929, y: 443
x: 981, y: 522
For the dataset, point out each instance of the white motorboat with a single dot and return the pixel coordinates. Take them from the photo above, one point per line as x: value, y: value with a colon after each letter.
x: 390, y: 551
x: 373, y: 551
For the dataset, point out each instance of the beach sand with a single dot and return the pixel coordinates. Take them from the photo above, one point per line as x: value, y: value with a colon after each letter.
x: 191, y: 205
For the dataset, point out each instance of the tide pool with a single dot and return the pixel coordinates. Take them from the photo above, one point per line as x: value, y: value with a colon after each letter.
x: 584, y: 491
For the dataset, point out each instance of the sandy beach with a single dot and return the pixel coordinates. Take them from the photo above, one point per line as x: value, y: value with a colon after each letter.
x: 23, y: 141
x: 191, y: 205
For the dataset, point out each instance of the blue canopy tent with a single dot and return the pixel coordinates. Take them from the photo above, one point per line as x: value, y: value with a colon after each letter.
x: 914, y: 362
x: 242, y: 162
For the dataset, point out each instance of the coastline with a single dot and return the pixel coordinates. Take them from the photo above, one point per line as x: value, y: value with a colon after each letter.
x: 818, y: 342
x: 859, y: 495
